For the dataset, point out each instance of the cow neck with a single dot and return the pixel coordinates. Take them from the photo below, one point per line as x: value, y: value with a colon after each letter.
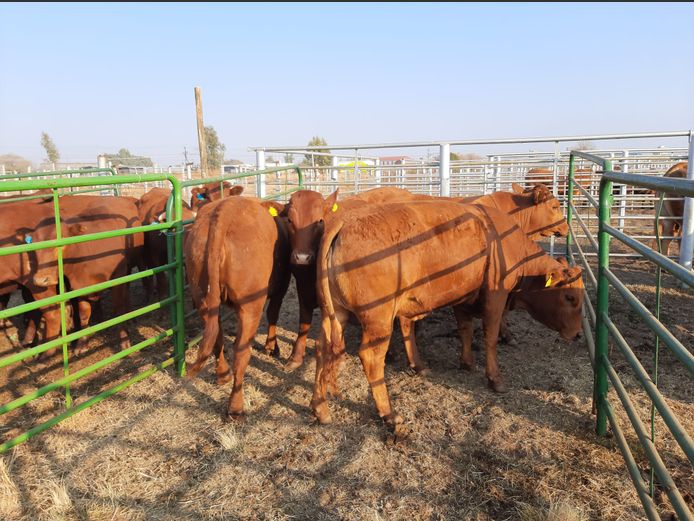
x: 535, y: 268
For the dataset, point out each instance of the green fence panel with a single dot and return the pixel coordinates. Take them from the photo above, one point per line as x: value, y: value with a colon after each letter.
x: 173, y: 227
x: 605, y: 329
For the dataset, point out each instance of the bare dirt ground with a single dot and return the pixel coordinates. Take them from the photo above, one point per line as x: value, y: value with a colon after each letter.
x: 162, y: 450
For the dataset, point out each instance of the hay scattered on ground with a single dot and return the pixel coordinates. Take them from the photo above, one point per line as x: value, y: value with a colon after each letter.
x: 162, y: 450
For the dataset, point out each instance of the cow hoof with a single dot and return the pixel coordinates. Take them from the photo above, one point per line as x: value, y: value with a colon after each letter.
x: 398, y: 431
x: 125, y: 344
x: 465, y: 366
x: 293, y: 365
x: 192, y: 371
x: 236, y: 417
x: 423, y: 371
x: 223, y: 379
x: 322, y: 414
x: 498, y: 385
x: 508, y: 340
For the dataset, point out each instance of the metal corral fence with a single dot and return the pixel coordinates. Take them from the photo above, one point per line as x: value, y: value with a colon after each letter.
x: 66, y: 184
x: 597, y: 318
x: 497, y: 171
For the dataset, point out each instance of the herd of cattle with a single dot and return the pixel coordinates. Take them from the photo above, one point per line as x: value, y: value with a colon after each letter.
x: 380, y: 255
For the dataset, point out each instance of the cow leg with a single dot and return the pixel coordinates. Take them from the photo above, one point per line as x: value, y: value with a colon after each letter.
x: 273, y: 313
x: 327, y: 365
x: 504, y: 333
x: 466, y: 328
x: 407, y: 326
x: 4, y: 301
x: 372, y: 353
x: 85, y: 312
x: 121, y: 305
x: 299, y: 349
x: 52, y: 318
x: 491, y: 318
x: 249, y: 318
x: 222, y: 367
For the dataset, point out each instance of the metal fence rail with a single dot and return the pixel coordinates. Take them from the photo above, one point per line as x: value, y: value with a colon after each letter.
x: 605, y: 329
x: 173, y: 268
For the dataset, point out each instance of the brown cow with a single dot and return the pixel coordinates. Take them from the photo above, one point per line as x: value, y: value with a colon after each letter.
x: 201, y: 195
x: 407, y: 259
x: 91, y: 262
x: 16, y: 220
x: 151, y: 208
x: 673, y: 209
x: 236, y: 253
x: 536, y: 211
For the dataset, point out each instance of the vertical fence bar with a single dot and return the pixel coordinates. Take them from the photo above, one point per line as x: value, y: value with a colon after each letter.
x: 61, y: 291
x: 555, y: 179
x: 445, y: 169
x: 378, y: 173
x: 569, y: 203
x: 260, y: 180
x: 601, y: 332
x: 687, y: 244
x: 623, y: 193
x: 180, y: 346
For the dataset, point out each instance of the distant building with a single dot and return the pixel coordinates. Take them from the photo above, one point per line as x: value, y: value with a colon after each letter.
x: 394, y: 160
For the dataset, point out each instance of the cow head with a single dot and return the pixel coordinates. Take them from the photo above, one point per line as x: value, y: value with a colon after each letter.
x: 201, y: 195
x: 544, y: 213
x: 305, y: 212
x: 556, y: 298
x: 45, y: 272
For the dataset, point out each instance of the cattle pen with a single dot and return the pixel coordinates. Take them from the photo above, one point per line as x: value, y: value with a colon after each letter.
x: 161, y: 450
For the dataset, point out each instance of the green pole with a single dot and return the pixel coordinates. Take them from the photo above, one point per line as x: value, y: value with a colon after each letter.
x: 601, y: 331
x: 61, y: 291
x: 180, y: 345
x: 569, y: 208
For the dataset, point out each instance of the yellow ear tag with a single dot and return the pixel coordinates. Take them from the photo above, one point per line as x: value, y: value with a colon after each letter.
x: 272, y: 211
x: 549, y: 281
x: 334, y: 208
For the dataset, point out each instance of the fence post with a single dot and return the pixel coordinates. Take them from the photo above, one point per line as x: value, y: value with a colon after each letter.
x: 687, y: 244
x: 623, y: 193
x: 445, y: 169
x: 260, y: 180
x: 601, y: 333
x: 202, y: 146
x: 569, y: 204
x: 333, y: 172
x: 378, y: 173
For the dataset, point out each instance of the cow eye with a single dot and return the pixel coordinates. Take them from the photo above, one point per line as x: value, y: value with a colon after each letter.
x: 571, y: 298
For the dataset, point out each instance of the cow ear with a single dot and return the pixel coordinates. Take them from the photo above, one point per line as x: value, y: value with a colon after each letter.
x: 540, y: 194
x: 236, y: 190
x: 517, y: 189
x: 275, y: 208
x: 330, y: 203
x: 76, y: 229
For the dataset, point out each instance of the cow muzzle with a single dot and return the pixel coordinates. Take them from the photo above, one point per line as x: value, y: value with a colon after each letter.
x: 301, y: 259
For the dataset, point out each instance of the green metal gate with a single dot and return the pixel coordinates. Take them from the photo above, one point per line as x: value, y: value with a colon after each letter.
x: 597, y: 318
x: 173, y: 226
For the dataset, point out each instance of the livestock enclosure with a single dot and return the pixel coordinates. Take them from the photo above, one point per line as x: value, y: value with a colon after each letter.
x: 160, y: 450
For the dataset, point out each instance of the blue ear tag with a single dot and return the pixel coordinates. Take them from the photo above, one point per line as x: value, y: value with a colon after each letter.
x: 28, y: 239
x: 200, y: 196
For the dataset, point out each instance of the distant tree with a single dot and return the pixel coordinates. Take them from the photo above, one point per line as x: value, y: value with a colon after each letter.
x: 215, y: 148
x: 51, y: 150
x: 289, y: 158
x: 584, y: 145
x: 464, y: 157
x: 124, y: 158
x: 15, y: 163
x: 317, y: 141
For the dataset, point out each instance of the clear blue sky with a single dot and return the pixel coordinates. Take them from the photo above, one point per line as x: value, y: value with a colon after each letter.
x: 98, y: 77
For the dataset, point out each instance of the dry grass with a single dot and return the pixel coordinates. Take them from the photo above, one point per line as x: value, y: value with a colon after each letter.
x: 161, y: 449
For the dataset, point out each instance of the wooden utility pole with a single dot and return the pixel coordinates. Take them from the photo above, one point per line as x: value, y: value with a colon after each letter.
x: 201, y: 133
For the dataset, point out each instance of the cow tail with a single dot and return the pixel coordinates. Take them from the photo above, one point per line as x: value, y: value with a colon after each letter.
x: 211, y: 302
x: 333, y: 346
